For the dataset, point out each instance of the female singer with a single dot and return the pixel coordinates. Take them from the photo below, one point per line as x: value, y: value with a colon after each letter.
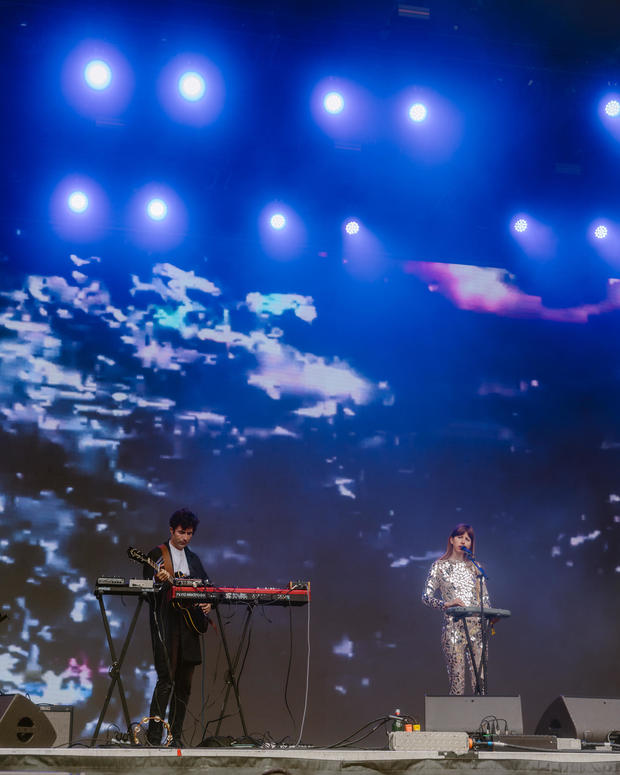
x: 456, y: 579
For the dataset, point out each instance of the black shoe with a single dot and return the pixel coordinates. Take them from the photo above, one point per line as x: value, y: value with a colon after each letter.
x: 153, y: 734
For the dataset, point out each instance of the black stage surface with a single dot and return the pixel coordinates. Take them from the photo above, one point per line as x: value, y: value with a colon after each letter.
x: 44, y: 760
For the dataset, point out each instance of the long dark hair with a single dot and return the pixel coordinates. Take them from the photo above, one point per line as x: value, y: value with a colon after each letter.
x: 460, y: 530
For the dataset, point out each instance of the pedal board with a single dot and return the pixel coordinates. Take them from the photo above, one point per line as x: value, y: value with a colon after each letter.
x: 141, y: 584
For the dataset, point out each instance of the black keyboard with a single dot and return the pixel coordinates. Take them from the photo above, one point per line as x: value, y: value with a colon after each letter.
x: 471, y: 610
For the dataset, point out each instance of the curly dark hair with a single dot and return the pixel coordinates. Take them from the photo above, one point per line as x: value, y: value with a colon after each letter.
x: 184, y: 518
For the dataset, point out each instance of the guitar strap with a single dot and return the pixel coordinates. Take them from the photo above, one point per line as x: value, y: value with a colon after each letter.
x: 165, y: 553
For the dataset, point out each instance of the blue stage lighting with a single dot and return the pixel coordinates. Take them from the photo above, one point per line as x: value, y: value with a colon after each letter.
x: 612, y: 108
x: 520, y: 225
x: 333, y: 102
x: 157, y: 217
x: 352, y: 227
x: 282, y: 233
x: 77, y: 201
x: 600, y: 232
x: 191, y: 90
x: 79, y: 209
x: 97, y: 80
x: 192, y: 86
x: 157, y: 209
x: 98, y: 74
x: 418, y: 112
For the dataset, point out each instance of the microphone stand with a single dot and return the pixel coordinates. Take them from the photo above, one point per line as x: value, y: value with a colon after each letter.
x: 481, y: 687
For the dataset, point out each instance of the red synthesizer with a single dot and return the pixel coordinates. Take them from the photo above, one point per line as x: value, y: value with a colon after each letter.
x: 192, y: 591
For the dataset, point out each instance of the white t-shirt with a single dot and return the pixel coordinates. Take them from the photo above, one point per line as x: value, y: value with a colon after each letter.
x: 179, y: 560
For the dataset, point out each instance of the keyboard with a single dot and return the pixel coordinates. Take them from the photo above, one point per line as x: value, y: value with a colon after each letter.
x: 458, y: 611
x: 297, y: 593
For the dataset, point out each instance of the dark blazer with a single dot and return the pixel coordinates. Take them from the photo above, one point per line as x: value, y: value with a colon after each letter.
x: 167, y: 619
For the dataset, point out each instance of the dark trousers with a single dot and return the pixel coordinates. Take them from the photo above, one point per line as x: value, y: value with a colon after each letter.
x: 174, y: 680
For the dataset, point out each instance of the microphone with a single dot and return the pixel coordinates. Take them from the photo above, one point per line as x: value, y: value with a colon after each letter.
x: 467, y: 551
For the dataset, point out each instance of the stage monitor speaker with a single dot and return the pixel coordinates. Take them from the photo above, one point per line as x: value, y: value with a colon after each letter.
x: 586, y: 718
x: 457, y: 713
x: 61, y: 718
x: 23, y: 725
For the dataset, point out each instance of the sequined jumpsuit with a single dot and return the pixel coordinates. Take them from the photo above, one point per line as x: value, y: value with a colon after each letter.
x: 452, y: 580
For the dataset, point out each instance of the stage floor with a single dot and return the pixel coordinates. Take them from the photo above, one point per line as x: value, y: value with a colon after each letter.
x: 294, y: 760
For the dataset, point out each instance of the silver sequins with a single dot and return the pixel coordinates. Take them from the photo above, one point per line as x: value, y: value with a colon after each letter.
x: 456, y: 580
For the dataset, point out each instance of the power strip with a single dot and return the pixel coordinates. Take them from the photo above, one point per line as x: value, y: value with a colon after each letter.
x: 526, y: 742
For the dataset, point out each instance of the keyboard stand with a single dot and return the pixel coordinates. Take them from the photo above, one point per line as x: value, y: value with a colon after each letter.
x: 480, y: 670
x: 232, y: 681
x: 115, y: 667
x: 480, y: 673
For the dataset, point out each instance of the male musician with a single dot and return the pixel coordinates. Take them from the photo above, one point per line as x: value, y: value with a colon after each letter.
x: 176, y: 642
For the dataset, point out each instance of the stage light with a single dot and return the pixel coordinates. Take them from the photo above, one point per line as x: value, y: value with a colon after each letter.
x: 346, y: 111
x: 277, y: 221
x: 79, y: 209
x: 157, y: 209
x: 604, y: 236
x: 418, y: 112
x: 282, y: 233
x: 157, y: 217
x: 192, y: 86
x: 535, y: 237
x: 609, y: 113
x: 333, y: 102
x: 78, y: 201
x: 363, y: 255
x: 612, y: 108
x: 429, y: 125
x: 97, y: 80
x: 191, y: 90
x: 98, y: 74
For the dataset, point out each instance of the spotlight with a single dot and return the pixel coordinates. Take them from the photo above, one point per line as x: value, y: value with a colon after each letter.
x: 79, y: 209
x: 333, y: 102
x: 98, y: 74
x: 418, y: 112
x: 157, y: 209
x: 97, y: 80
x: 612, y: 108
x: 281, y: 231
x: 600, y: 232
x: 352, y: 227
x: 534, y: 237
x: 345, y: 111
x: 192, y: 86
x: 191, y: 89
x: 157, y: 217
x: 77, y: 201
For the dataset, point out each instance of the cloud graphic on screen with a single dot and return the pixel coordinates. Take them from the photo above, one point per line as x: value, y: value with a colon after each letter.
x: 492, y: 290
x: 279, y: 303
x: 89, y: 370
x: 126, y: 382
x: 43, y: 319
